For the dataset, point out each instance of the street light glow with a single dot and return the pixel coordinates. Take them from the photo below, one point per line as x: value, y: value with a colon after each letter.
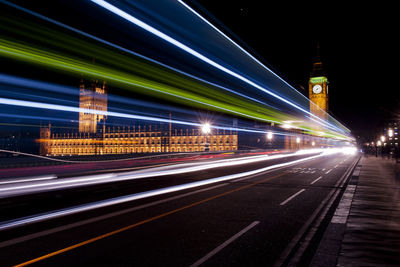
x: 286, y: 126
x: 390, y: 132
x: 269, y: 135
x: 383, y: 138
x: 206, y: 128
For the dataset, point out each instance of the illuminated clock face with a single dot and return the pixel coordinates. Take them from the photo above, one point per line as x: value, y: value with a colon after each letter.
x: 317, y: 89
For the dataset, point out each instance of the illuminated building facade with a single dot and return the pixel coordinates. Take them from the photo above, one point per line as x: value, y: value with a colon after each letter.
x: 93, y: 97
x: 94, y: 138
x: 391, y: 133
x: 318, y: 95
x: 318, y: 89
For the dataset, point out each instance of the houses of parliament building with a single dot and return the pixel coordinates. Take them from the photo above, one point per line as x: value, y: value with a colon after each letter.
x: 94, y: 138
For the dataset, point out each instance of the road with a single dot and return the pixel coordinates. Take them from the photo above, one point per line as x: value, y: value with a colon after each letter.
x: 257, y: 219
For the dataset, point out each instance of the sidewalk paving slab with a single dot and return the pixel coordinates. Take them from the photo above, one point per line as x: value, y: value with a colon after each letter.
x: 365, y: 230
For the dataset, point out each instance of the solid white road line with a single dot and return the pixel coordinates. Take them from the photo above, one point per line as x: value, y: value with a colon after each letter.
x: 223, y: 245
x: 316, y: 180
x: 290, y: 198
x: 328, y: 171
x: 336, y: 166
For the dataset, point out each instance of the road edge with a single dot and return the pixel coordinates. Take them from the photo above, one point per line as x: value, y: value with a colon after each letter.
x: 303, y: 247
x: 328, y: 250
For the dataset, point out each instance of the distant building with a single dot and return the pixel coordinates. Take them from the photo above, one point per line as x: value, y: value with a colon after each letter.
x: 93, y: 98
x: 18, y: 141
x: 391, y: 131
x: 319, y: 105
x: 318, y: 89
x: 94, y: 138
x: 10, y: 142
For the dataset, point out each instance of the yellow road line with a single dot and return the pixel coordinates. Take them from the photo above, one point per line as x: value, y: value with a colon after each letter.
x: 143, y: 222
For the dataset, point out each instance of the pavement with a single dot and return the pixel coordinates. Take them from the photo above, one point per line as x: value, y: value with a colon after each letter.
x: 365, y: 227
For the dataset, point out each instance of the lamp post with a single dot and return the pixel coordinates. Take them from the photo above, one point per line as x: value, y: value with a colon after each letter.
x: 378, y: 145
x: 383, y: 149
x: 206, y: 130
x: 270, y: 135
x: 390, y: 134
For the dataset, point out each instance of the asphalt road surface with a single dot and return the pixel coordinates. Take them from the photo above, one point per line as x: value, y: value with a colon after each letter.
x: 257, y: 219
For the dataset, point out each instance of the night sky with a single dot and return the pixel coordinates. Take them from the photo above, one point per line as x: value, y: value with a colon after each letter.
x: 357, y: 47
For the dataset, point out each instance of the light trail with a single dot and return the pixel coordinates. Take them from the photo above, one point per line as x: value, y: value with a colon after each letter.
x: 46, y: 58
x: 135, y: 54
x: 198, y: 55
x: 131, y: 52
x: 47, y: 106
x: 118, y: 200
x: 27, y: 179
x: 230, y: 106
x: 17, y: 50
x: 23, y: 82
x: 30, y: 104
x: 39, y: 85
x: 238, y: 46
x: 65, y: 183
x: 250, y: 55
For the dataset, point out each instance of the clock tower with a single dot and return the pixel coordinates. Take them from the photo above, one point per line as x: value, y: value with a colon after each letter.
x: 318, y: 89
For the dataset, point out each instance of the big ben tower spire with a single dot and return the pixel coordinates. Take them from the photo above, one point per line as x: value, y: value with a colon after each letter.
x: 318, y: 88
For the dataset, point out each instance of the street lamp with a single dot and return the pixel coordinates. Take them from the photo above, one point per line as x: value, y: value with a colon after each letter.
x: 379, y: 143
x: 390, y: 132
x: 269, y: 136
x: 383, y: 138
x: 206, y: 128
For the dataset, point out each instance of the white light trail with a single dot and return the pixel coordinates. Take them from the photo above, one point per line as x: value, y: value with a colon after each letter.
x: 31, y: 104
x: 169, y: 67
x: 118, y: 200
x: 65, y: 183
x: 191, y: 51
x: 39, y: 105
x: 238, y: 46
x: 27, y: 179
x: 127, y: 51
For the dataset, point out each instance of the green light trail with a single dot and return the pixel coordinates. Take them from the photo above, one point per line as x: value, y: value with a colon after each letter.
x: 44, y: 46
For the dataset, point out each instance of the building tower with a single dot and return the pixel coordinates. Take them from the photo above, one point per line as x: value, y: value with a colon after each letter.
x: 45, y: 135
x: 93, y: 97
x: 318, y: 89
